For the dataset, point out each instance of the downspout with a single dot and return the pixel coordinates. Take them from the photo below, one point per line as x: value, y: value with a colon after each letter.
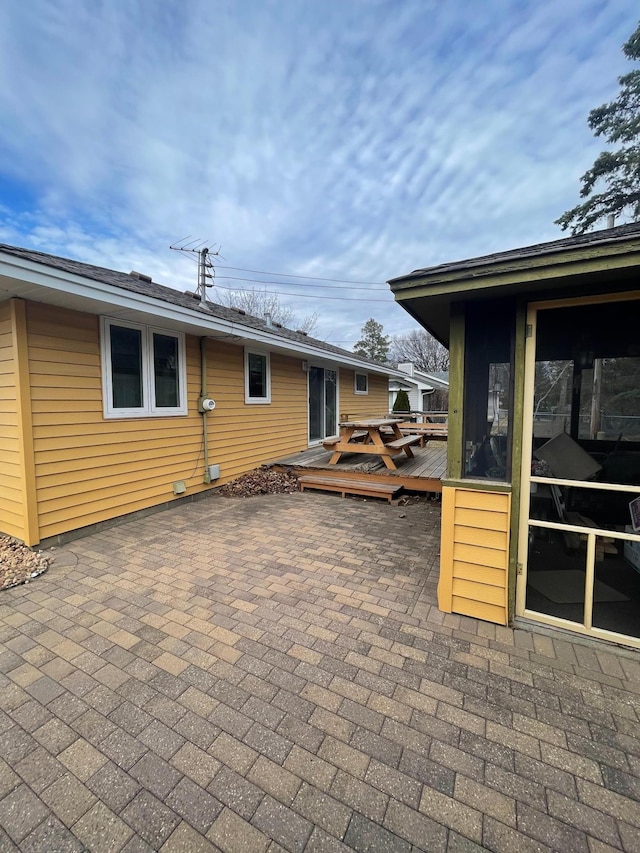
x: 203, y: 395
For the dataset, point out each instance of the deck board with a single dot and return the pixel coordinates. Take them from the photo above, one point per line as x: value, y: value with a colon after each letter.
x: 422, y: 473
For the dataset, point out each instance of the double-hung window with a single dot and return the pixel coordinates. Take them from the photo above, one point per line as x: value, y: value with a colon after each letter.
x: 257, y: 377
x: 361, y: 383
x: 143, y: 370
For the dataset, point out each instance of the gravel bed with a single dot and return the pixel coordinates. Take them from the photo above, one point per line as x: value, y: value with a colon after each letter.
x: 18, y: 563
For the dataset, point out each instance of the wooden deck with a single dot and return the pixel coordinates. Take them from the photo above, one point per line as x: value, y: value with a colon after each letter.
x: 423, y: 473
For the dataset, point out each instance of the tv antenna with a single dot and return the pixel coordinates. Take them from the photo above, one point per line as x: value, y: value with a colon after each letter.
x: 206, y: 269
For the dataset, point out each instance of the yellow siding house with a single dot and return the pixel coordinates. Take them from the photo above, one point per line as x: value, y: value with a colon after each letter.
x: 105, y: 379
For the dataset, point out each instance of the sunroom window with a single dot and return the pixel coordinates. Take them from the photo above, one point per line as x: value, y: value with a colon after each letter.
x: 144, y: 371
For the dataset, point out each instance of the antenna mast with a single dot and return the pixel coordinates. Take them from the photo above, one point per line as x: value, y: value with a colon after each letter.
x: 206, y: 269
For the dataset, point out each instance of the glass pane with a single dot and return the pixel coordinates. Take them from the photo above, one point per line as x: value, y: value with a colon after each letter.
x: 361, y: 382
x: 165, y: 369
x: 610, y: 401
x: 616, y: 594
x: 316, y: 396
x: 588, y: 375
x: 552, y: 398
x: 330, y: 400
x: 126, y: 367
x: 488, y: 391
x: 556, y: 569
x: 257, y: 375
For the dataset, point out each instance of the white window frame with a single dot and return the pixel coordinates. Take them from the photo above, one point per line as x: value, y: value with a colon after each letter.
x: 252, y: 401
x: 355, y: 382
x: 149, y: 408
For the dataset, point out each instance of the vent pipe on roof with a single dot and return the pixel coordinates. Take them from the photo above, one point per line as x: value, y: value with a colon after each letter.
x: 140, y: 276
x: 611, y: 220
x: 267, y: 320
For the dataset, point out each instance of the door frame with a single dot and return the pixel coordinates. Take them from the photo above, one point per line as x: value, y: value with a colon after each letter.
x: 526, y: 479
x: 324, y: 367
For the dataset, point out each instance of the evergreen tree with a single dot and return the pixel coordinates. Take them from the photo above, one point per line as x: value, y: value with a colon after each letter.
x: 617, y: 172
x: 373, y: 344
x: 401, y: 403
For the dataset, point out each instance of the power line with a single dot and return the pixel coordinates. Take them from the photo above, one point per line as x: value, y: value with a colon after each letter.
x: 291, y: 275
x: 302, y: 295
x: 381, y: 287
x: 294, y: 283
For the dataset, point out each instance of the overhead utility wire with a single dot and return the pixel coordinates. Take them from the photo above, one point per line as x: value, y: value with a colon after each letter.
x: 302, y: 295
x: 377, y: 285
x: 294, y: 283
x: 291, y: 275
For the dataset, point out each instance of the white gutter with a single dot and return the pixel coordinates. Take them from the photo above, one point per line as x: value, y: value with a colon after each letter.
x: 63, y: 282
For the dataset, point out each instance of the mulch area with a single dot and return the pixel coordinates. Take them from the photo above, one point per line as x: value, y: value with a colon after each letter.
x: 262, y: 481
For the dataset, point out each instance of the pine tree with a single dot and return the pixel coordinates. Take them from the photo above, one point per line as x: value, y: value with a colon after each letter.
x: 373, y: 344
x: 617, y: 172
x: 401, y: 403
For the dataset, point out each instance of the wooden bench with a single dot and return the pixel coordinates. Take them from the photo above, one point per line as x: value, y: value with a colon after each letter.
x: 425, y: 431
x: 346, y: 486
x: 404, y: 443
x: 330, y: 443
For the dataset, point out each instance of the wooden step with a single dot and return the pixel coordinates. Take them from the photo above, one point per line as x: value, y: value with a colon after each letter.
x: 347, y: 486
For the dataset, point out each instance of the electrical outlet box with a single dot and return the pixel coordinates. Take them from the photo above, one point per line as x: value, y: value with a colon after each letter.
x: 214, y: 472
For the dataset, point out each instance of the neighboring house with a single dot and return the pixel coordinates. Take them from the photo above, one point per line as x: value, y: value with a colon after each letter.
x: 544, y: 431
x: 426, y: 391
x: 102, y: 374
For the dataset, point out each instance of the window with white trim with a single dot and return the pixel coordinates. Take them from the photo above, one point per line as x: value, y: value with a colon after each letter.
x: 257, y: 377
x: 143, y: 370
x: 361, y: 383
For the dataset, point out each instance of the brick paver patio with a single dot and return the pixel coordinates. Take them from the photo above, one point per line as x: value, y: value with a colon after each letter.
x: 273, y: 674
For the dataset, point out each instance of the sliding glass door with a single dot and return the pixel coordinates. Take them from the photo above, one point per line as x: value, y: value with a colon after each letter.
x: 323, y: 403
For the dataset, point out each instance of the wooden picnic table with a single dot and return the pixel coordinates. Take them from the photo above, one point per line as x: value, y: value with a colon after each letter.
x: 377, y: 436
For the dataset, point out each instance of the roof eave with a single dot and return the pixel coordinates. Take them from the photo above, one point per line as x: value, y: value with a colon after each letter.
x: 480, y: 273
x: 43, y: 283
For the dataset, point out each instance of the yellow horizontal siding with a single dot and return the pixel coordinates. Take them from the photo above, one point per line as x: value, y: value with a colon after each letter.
x: 484, y: 538
x: 478, y: 610
x: 373, y: 404
x: 478, y: 573
x: 475, y: 499
x: 474, y: 591
x: 497, y: 521
x: 493, y: 557
x: 243, y: 436
x: 474, y: 553
x: 91, y: 469
x: 11, y: 494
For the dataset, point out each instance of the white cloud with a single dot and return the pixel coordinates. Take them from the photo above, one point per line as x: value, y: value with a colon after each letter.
x: 352, y: 140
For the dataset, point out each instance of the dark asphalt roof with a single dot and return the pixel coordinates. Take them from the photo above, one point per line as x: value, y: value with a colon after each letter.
x: 593, y: 238
x: 130, y: 282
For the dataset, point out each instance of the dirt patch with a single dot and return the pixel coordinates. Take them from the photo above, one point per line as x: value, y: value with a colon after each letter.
x: 18, y: 563
x: 262, y: 481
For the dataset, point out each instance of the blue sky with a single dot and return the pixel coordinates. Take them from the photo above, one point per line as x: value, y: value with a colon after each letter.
x: 345, y: 139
